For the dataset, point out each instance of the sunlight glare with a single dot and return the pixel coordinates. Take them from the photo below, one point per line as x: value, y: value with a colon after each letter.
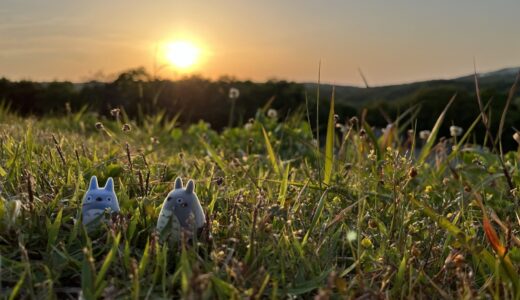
x: 182, y: 54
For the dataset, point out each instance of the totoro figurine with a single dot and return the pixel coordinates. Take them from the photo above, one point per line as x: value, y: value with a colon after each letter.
x: 182, y: 208
x: 97, y: 200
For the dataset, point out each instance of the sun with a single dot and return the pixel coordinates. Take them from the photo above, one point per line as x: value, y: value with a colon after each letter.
x: 182, y: 54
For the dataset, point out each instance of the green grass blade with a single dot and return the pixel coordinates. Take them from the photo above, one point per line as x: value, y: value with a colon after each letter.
x: 399, y: 278
x: 143, y: 263
x: 329, y: 144
x: 316, y: 217
x: 17, y: 287
x: 465, y: 137
x: 440, y: 220
x: 510, y: 97
x: 223, y: 288
x: 283, y: 186
x: 3, y: 173
x: 87, y: 276
x: 53, y: 230
x: 108, y: 261
x: 435, y: 130
x: 185, y: 271
x: 372, y: 137
x: 214, y: 155
x: 270, y: 152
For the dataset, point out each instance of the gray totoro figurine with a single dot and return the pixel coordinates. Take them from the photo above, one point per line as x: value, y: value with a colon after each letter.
x: 182, y: 208
x: 97, y: 200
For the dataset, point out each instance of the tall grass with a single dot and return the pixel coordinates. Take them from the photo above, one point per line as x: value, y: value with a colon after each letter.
x: 361, y: 217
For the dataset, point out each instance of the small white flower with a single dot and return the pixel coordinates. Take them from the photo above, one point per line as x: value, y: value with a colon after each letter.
x: 272, y: 113
x: 424, y: 134
x: 455, y: 131
x: 351, y: 236
x: 234, y: 93
x: 248, y: 126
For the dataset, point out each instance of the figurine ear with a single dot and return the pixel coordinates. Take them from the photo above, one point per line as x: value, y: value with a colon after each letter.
x: 109, y: 186
x: 178, y: 183
x: 190, y: 187
x: 93, y: 183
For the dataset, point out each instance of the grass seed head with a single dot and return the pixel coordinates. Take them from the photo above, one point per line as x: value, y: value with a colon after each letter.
x: 413, y: 172
x: 353, y: 121
x: 115, y: 112
x: 516, y: 137
x: 68, y: 109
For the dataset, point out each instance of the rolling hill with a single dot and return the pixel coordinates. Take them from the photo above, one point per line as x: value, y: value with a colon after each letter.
x: 500, y: 80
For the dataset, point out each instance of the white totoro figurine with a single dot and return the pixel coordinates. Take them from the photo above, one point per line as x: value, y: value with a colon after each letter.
x: 97, y: 200
x: 182, y: 208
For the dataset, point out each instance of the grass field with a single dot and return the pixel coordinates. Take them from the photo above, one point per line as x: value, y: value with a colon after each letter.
x: 387, y: 217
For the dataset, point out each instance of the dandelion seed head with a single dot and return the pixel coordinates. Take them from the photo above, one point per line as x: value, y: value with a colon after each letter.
x: 272, y: 113
x: 424, y: 134
x: 234, y: 93
x: 455, y: 131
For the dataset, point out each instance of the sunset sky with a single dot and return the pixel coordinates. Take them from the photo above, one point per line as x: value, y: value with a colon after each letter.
x: 406, y: 41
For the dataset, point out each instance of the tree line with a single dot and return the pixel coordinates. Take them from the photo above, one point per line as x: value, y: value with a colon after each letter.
x: 191, y: 99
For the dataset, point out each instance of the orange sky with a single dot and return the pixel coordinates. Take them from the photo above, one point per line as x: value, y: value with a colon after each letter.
x: 407, y: 41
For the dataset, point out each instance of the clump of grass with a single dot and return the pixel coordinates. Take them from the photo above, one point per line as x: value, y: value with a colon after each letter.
x: 363, y: 217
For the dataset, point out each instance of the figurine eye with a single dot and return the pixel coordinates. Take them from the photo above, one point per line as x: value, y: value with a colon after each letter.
x: 169, y: 198
x: 179, y: 200
x: 109, y: 199
x: 89, y: 198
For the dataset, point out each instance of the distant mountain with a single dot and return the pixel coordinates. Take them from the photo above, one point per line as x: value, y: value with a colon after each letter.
x: 359, y: 96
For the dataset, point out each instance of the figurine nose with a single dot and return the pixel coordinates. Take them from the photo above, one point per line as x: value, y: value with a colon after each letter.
x: 99, y: 199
